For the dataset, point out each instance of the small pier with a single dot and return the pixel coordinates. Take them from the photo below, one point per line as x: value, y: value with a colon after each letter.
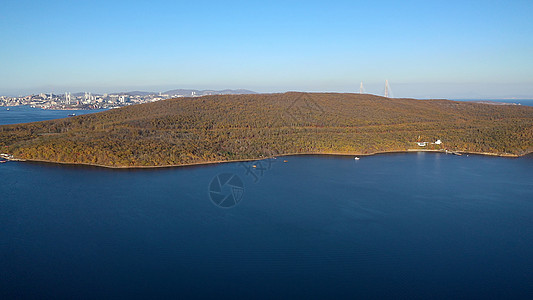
x: 453, y: 152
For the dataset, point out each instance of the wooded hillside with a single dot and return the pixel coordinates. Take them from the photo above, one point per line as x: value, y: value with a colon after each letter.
x: 229, y: 127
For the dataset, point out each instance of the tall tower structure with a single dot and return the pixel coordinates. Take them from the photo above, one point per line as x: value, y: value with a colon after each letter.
x: 386, y: 89
x: 361, y: 88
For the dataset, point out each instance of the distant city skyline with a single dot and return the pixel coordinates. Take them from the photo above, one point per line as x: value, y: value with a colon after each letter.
x: 452, y: 49
x: 397, y: 90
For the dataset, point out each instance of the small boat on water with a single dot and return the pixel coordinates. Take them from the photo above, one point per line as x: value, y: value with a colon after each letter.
x: 356, y: 158
x: 72, y: 115
x: 8, y: 108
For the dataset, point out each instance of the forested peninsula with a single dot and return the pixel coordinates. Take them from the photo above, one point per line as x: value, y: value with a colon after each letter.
x: 218, y: 128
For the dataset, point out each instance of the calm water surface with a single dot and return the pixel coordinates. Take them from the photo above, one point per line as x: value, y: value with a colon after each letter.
x: 397, y: 225
x: 431, y: 225
x: 24, y: 114
x: 527, y: 102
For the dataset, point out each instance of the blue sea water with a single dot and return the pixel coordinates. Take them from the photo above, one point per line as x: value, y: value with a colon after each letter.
x: 426, y: 225
x: 25, y: 114
x: 420, y: 225
x: 526, y: 102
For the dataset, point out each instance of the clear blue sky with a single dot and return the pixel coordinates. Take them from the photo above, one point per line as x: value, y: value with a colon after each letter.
x: 454, y: 49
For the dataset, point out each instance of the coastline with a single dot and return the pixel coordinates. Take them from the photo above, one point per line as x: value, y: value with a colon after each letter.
x: 505, y: 155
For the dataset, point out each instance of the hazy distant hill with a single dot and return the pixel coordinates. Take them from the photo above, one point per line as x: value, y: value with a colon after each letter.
x: 180, y: 92
x: 81, y: 94
x: 136, y: 93
x: 228, y: 127
x: 189, y: 93
x: 132, y: 93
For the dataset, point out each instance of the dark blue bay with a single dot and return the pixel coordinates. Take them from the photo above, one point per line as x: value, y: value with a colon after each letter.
x: 395, y: 225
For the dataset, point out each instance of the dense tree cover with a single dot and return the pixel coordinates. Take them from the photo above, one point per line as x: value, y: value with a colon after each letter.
x: 228, y: 127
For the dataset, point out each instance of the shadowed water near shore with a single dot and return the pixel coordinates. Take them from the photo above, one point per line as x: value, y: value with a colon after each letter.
x: 402, y: 224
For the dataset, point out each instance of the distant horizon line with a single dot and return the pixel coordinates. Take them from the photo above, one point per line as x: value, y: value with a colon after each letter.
x: 245, y: 91
x: 432, y: 90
